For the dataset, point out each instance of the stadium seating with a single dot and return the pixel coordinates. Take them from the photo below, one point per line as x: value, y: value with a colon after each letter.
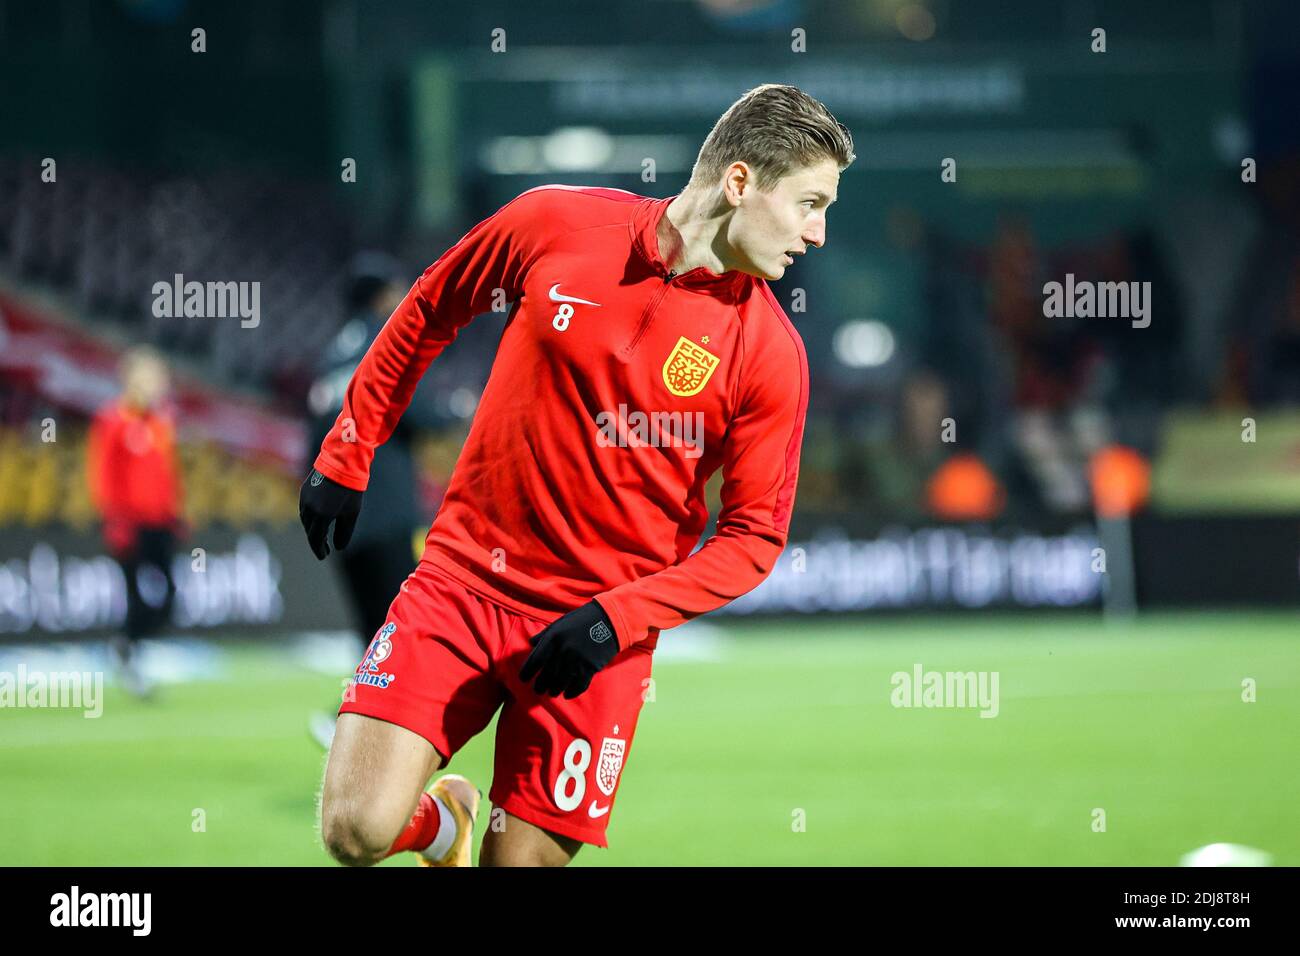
x: 106, y: 236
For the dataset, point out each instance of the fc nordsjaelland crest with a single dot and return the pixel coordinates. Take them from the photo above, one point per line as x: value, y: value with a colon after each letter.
x: 688, y: 367
x: 611, y: 762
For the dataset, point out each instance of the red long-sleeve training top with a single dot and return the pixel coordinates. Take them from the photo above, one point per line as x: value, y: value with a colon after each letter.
x: 618, y: 388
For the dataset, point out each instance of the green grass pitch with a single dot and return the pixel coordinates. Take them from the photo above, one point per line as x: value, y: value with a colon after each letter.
x: 784, y: 749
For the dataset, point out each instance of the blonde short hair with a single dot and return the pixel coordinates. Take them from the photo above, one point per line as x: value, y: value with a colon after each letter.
x: 773, y: 128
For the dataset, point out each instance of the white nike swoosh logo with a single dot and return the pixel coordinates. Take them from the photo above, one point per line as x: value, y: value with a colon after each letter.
x: 556, y: 297
x: 592, y: 811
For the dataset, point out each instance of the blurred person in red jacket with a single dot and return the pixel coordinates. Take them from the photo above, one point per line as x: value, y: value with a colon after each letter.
x: 135, y: 485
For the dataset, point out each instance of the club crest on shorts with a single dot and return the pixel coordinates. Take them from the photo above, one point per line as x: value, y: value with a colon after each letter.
x: 689, y: 367
x: 381, y: 647
x: 610, y: 763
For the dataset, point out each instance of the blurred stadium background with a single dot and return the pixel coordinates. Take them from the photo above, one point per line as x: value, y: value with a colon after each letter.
x: 966, y: 462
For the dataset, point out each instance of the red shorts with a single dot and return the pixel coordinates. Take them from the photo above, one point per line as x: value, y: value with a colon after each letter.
x: 448, y: 657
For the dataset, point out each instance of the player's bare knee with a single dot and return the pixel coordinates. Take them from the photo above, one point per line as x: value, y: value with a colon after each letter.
x: 356, y: 835
x: 358, y: 831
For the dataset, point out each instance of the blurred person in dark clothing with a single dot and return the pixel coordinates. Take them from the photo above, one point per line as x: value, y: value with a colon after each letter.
x: 383, y: 548
x: 135, y: 485
x: 1055, y: 422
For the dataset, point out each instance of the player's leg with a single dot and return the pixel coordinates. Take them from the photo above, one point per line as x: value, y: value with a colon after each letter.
x: 157, y: 546
x: 374, y: 780
x: 423, y: 689
x: 137, y: 611
x: 517, y: 842
x: 559, y: 761
x: 125, y: 646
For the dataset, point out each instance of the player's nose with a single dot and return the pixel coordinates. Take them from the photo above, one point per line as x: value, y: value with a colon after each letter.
x: 815, y: 234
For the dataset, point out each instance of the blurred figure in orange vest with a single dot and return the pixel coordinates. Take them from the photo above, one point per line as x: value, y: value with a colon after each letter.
x: 135, y: 485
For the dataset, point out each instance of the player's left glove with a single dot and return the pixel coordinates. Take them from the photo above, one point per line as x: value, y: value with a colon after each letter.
x: 569, y: 652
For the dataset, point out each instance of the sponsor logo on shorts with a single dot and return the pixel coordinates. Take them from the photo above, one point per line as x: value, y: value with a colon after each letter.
x: 381, y: 648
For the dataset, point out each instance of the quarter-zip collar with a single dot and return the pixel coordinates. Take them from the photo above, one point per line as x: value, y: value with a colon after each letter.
x: 644, y: 227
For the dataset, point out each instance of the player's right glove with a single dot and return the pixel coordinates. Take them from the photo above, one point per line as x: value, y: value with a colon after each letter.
x: 323, y: 502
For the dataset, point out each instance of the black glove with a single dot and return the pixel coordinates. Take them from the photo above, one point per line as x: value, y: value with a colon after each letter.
x: 322, y: 502
x: 570, y: 651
